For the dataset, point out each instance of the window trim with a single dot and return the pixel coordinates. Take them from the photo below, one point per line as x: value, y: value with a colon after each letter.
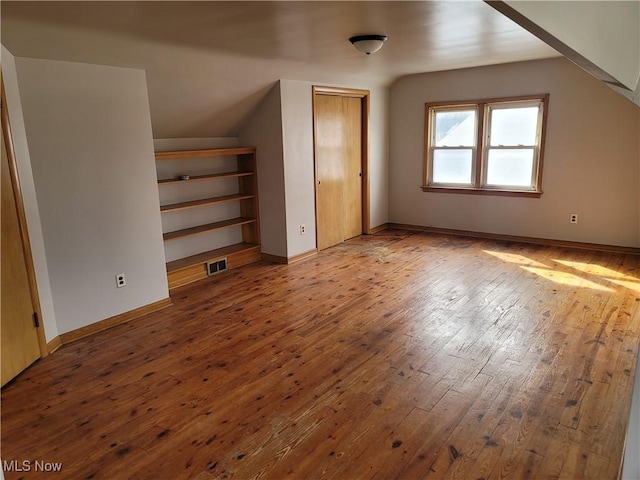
x: 481, y: 149
x: 473, y: 148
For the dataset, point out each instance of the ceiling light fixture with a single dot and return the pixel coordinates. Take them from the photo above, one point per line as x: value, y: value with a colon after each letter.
x: 368, y: 44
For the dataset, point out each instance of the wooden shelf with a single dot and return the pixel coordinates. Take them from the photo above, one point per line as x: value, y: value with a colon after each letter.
x: 197, y: 178
x: 204, y: 201
x: 204, y: 257
x: 208, y: 227
x: 215, y: 152
x: 245, y: 194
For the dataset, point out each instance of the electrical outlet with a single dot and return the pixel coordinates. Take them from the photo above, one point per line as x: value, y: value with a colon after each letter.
x: 120, y: 280
x: 303, y: 229
x: 573, y: 218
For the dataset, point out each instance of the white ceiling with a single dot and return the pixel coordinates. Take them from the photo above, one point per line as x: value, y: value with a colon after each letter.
x: 209, y: 64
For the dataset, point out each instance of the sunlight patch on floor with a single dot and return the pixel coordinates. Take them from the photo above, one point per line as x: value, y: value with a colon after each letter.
x: 515, y: 258
x: 565, y: 278
x: 594, y: 269
x: 624, y: 283
x: 598, y: 273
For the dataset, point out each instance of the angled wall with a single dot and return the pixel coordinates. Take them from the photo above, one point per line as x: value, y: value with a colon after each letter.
x: 601, y: 37
x: 263, y: 130
x: 89, y: 134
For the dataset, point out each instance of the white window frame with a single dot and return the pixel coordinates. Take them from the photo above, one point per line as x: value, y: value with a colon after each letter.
x: 480, y: 151
x: 433, y: 148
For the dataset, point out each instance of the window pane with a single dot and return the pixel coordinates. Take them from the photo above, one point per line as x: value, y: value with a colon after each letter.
x: 452, y: 166
x: 455, y: 128
x: 514, y: 126
x: 511, y: 167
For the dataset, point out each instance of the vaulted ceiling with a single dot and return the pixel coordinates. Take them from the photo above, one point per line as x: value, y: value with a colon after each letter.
x: 209, y: 64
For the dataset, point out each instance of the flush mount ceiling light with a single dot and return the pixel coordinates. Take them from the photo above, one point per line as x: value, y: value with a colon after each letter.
x: 368, y: 44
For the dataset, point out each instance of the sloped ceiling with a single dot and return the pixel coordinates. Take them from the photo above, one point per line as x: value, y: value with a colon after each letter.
x: 602, y: 38
x: 209, y: 64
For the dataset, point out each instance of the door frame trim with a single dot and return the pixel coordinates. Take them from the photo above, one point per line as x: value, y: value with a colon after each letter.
x: 364, y: 95
x: 22, y: 220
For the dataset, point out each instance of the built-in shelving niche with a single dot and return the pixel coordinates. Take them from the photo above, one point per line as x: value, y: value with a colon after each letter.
x: 209, y: 206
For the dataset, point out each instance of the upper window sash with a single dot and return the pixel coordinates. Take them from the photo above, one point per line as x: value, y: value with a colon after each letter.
x: 453, y: 128
x: 514, y: 126
x: 526, y: 119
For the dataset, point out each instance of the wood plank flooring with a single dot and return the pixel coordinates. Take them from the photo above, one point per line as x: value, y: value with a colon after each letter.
x: 397, y: 355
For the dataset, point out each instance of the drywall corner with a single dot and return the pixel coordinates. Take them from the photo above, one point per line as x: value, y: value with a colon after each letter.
x: 263, y: 129
x: 297, y: 140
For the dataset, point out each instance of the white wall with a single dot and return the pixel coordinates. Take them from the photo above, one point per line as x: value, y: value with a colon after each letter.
x: 297, y: 138
x: 605, y: 33
x: 169, y: 144
x: 591, y: 162
x: 90, y: 141
x: 263, y: 129
x: 631, y: 467
x: 297, y: 121
x: 379, y: 157
x: 23, y: 160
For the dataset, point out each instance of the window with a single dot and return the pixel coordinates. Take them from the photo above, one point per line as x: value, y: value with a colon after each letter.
x: 487, y: 146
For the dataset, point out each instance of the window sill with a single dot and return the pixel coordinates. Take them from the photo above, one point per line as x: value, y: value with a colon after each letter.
x: 481, y: 191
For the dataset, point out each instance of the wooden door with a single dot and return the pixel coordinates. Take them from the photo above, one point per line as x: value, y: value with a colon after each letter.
x: 18, y: 335
x: 352, y: 151
x: 338, y: 147
x: 329, y: 170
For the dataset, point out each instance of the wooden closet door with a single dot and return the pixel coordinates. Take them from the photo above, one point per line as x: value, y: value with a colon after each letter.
x: 352, y: 155
x: 329, y: 170
x: 19, y: 342
x: 338, y: 137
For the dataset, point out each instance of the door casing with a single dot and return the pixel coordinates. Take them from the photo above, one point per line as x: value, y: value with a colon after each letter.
x: 22, y: 221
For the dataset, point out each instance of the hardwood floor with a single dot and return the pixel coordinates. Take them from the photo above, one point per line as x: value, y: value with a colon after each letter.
x: 397, y: 355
